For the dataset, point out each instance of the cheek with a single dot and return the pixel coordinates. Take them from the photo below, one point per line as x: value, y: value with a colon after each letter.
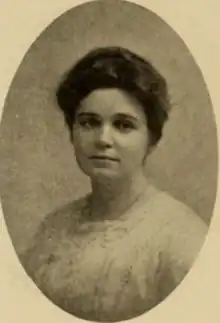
x: 81, y: 149
x: 81, y: 142
x: 135, y: 146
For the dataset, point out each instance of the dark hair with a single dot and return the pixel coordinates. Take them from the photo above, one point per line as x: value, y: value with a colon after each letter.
x: 116, y: 67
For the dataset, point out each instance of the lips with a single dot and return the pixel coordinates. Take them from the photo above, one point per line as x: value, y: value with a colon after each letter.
x: 103, y: 157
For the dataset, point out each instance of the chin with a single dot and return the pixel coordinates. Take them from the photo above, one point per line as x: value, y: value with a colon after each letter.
x: 103, y: 174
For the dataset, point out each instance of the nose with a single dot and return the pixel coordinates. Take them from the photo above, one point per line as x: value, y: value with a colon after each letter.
x: 104, y: 137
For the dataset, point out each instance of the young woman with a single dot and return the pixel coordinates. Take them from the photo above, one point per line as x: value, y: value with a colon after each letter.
x: 120, y: 250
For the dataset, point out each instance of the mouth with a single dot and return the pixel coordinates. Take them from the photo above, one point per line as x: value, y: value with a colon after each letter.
x: 103, y: 157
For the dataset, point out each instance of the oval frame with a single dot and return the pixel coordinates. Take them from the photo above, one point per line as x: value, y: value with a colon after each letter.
x: 200, y: 261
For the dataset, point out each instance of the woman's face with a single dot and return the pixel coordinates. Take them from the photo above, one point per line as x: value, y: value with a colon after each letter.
x: 110, y: 134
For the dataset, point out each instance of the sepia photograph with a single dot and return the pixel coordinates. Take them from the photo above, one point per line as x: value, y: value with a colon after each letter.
x: 108, y: 161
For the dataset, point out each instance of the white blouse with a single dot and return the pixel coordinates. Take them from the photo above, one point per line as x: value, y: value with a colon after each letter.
x: 114, y: 270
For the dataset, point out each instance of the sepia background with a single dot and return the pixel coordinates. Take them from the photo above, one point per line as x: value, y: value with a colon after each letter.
x: 38, y: 169
x: 197, y: 298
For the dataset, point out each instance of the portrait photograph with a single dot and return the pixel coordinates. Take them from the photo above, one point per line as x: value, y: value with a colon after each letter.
x: 109, y: 161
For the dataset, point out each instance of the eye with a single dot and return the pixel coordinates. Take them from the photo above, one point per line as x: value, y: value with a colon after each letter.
x: 124, y: 125
x: 89, y: 123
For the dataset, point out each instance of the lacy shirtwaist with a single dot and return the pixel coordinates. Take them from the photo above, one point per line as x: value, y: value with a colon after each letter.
x: 114, y: 270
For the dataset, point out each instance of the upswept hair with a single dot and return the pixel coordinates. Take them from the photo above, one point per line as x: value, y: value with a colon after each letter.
x: 116, y: 67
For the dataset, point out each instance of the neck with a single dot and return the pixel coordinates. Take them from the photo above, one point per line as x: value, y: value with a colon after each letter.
x: 111, y: 198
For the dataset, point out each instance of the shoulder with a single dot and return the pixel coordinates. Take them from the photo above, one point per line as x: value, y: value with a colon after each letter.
x: 180, y: 231
x: 171, y: 225
x: 181, y: 235
x: 51, y: 230
x: 65, y: 215
x: 176, y: 218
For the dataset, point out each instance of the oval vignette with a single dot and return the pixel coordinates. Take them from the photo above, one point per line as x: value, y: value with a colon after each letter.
x: 39, y: 173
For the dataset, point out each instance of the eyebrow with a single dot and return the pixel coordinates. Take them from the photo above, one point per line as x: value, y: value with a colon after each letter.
x: 126, y: 116
x: 87, y: 114
x: 120, y: 115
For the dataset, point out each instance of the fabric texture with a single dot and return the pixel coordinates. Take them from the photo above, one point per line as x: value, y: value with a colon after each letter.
x: 114, y: 270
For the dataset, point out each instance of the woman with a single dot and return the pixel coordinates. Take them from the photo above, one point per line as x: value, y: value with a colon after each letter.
x: 120, y: 250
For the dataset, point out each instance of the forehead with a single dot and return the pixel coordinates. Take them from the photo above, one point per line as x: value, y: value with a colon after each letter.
x: 108, y: 102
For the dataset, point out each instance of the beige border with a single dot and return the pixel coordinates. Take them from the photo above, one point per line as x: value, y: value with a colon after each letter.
x: 197, y: 298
